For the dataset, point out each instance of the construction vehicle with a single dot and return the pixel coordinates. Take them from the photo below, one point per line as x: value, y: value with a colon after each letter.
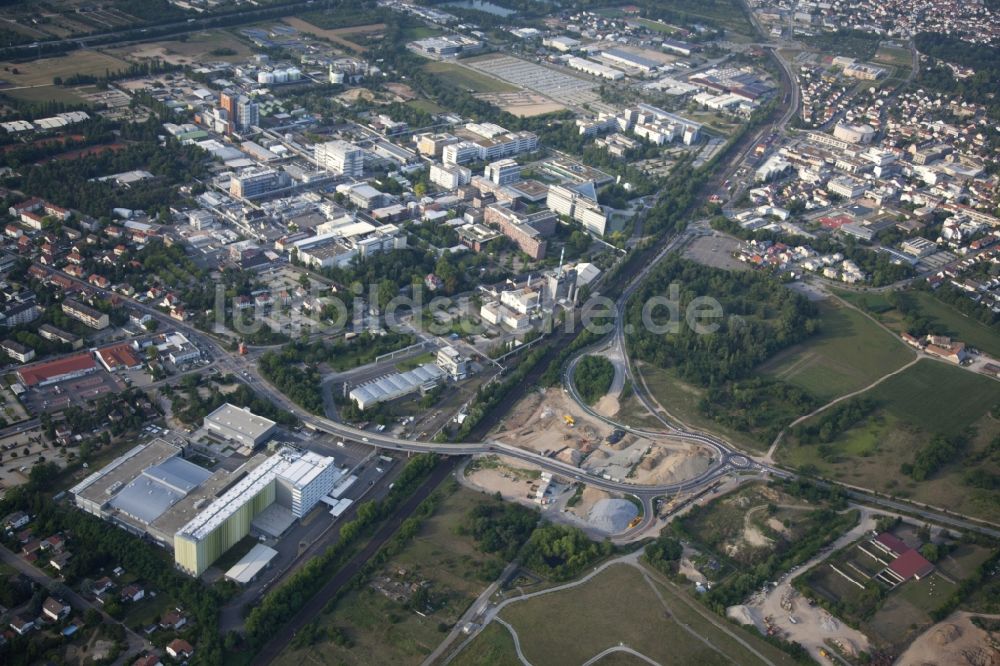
x: 569, y: 420
x: 634, y: 522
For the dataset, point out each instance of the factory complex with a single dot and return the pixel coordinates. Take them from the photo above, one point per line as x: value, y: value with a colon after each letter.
x: 153, y: 490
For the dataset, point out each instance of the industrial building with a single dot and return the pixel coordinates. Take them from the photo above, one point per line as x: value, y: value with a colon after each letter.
x: 594, y: 68
x: 153, y: 491
x: 622, y: 57
x: 251, y: 564
x: 422, y: 378
x: 339, y: 245
x: 239, y: 425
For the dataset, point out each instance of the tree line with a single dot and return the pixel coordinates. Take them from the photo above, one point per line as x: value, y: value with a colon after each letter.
x: 593, y: 377
x: 759, y: 318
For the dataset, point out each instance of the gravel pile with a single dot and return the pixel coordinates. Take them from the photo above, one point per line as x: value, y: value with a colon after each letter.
x: 612, y: 515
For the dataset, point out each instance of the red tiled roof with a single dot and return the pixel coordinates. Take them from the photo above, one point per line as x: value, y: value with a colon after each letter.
x: 39, y: 372
x: 911, y: 563
x: 892, y: 542
x: 118, y: 356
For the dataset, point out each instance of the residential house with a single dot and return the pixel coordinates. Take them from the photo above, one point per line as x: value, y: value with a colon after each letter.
x: 180, y: 649
x: 55, y: 609
x: 133, y: 593
x: 21, y: 626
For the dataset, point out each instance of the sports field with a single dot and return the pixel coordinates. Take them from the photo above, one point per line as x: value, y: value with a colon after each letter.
x: 850, y: 352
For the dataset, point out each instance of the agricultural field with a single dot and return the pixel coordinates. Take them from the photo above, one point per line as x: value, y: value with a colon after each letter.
x: 375, y: 623
x: 341, y: 36
x: 622, y: 605
x: 41, y: 72
x: 926, y: 399
x: 727, y: 14
x: 949, y: 321
x: 849, y: 352
x: 936, y: 397
x: 468, y: 79
x: 196, y: 48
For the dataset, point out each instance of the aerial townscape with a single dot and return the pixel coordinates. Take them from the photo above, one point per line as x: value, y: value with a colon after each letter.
x: 500, y: 332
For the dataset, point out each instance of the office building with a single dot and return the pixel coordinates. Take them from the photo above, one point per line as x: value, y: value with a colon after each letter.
x: 449, y: 177
x: 254, y: 183
x: 452, y: 362
x: 578, y: 206
x: 340, y: 157
x: 528, y: 231
x: 503, y: 172
x: 247, y: 113
x: 302, y: 483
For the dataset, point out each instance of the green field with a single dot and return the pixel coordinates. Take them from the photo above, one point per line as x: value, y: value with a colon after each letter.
x: 41, y: 72
x: 657, y: 26
x: 936, y: 397
x: 949, y: 321
x: 621, y: 606
x: 681, y: 400
x: 891, y: 55
x: 928, y: 398
x: 426, y: 105
x: 385, y: 630
x: 411, y: 363
x: 849, y: 353
x: 945, y: 319
x: 492, y: 647
x: 468, y: 79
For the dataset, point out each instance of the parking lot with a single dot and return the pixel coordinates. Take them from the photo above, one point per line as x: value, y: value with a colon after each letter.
x: 77, y: 391
x: 558, y: 86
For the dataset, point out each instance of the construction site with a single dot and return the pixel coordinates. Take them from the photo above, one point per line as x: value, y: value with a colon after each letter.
x: 550, y: 423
